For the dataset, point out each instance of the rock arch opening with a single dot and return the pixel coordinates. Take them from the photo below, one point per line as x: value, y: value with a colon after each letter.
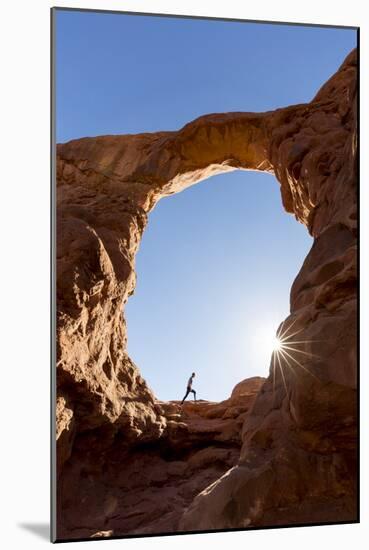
x: 214, y: 272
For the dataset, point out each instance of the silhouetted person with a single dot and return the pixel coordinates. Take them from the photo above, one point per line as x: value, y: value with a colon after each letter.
x: 189, y: 388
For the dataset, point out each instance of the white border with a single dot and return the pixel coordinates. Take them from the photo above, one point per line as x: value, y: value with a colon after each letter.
x: 25, y: 184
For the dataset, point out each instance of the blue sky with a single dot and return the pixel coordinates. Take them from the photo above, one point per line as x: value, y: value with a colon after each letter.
x: 217, y: 261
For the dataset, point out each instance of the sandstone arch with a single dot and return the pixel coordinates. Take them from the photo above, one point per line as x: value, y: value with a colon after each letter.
x: 298, y: 457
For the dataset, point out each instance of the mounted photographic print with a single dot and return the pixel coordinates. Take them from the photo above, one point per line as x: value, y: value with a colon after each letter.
x: 204, y: 275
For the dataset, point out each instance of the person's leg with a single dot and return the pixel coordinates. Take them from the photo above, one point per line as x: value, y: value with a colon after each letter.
x: 187, y: 392
x: 194, y: 395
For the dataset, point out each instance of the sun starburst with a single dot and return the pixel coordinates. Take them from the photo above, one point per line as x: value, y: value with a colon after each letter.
x: 289, y: 352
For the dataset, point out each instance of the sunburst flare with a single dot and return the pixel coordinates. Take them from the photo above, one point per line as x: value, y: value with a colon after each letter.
x: 287, y: 352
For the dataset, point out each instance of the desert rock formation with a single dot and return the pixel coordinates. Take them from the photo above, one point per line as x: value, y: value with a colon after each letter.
x: 144, y: 487
x: 290, y: 456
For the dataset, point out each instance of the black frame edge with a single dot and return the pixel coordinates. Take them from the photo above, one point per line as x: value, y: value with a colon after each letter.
x: 53, y: 491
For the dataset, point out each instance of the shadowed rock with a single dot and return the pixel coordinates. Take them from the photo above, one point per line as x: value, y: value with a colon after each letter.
x: 144, y: 487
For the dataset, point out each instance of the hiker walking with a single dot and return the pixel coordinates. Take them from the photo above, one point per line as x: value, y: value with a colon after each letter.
x: 189, y: 388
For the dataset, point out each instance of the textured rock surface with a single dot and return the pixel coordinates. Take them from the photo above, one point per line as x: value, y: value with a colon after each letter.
x: 298, y: 455
x: 144, y: 487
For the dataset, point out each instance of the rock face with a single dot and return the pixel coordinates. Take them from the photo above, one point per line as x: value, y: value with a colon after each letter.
x: 291, y: 457
x: 146, y: 486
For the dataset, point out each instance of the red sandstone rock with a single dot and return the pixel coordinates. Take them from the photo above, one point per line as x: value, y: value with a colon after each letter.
x: 298, y: 458
x: 144, y: 487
